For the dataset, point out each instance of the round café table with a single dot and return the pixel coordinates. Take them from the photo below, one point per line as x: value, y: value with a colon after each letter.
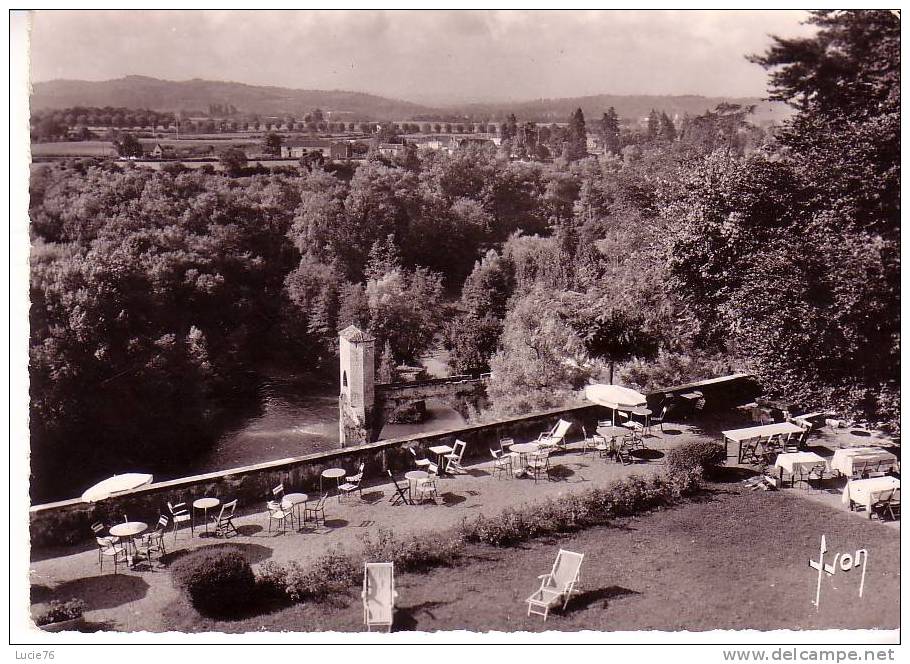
x: 523, y: 450
x: 128, y: 531
x: 641, y: 411
x: 412, y: 476
x: 205, y: 504
x: 295, y: 500
x: 332, y: 473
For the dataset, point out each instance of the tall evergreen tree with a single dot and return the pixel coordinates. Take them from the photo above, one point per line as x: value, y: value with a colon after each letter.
x: 576, y: 136
x: 609, y: 127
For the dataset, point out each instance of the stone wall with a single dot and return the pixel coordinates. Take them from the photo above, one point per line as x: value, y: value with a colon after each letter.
x: 68, y: 521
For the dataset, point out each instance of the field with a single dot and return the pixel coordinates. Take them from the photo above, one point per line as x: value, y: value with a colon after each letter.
x: 735, y: 560
x: 74, y: 149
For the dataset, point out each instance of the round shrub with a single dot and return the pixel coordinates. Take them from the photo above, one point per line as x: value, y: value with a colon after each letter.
x: 218, y: 582
x: 701, y: 456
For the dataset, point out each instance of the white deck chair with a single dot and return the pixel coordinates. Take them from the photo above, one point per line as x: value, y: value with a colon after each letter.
x: 556, y: 436
x: 558, y: 584
x: 453, y: 459
x: 378, y: 595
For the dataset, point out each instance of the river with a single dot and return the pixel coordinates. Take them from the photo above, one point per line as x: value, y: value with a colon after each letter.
x: 295, y: 417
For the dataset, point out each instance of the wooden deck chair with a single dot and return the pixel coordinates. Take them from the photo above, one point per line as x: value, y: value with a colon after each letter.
x: 420, y: 463
x: 558, y: 585
x: 556, y: 436
x: 400, y: 497
x: 749, y: 451
x: 501, y: 463
x: 378, y: 595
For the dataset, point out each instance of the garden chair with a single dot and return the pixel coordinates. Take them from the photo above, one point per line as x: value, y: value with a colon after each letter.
x: 153, y: 542
x: 316, y: 510
x: 587, y: 443
x: 453, y: 458
x: 277, y: 513
x: 378, y: 595
x: 790, y: 442
x: 180, y: 514
x: 602, y: 446
x: 539, y: 462
x: 352, y: 484
x: 881, y: 504
x: 426, y: 487
x: 860, y: 469
x: 604, y: 423
x: 659, y: 419
x: 505, y: 445
x: 224, y: 521
x: 878, y: 469
x: 400, y: 497
x: 98, y: 529
x: 749, y: 451
x: 112, y: 550
x: 420, y: 463
x: 894, y: 505
x: 556, y: 436
x: 501, y: 462
x: 624, y: 451
x: 558, y: 585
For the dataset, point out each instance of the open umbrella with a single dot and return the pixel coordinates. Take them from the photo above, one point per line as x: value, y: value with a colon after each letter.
x: 114, y: 484
x: 615, y: 397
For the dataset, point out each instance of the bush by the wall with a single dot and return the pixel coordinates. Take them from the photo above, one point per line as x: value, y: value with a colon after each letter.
x: 329, y: 575
x: 416, y: 553
x: 702, y: 456
x: 218, y: 582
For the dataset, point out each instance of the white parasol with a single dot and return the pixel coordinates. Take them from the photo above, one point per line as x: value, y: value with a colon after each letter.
x: 615, y: 397
x: 115, y: 484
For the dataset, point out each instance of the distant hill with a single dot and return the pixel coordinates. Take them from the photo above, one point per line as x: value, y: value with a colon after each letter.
x: 198, y: 94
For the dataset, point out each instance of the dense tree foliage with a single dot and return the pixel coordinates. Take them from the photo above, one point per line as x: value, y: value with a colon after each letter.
x: 710, y: 247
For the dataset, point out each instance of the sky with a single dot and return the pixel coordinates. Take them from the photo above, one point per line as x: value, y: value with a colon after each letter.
x: 422, y: 56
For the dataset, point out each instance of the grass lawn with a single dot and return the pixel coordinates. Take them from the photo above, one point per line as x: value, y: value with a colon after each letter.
x: 734, y: 559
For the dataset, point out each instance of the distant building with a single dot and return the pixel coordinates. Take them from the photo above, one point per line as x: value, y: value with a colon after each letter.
x: 390, y: 149
x: 160, y: 152
x: 297, y: 148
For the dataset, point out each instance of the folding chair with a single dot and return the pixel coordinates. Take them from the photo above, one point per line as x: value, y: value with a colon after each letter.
x: 153, y: 542
x: 400, y: 497
x: 108, y: 549
x: 420, y: 463
x: 453, y: 459
x: 556, y: 436
x: 180, y: 514
x: 558, y: 585
x: 224, y: 521
x: 316, y: 510
x: 881, y: 504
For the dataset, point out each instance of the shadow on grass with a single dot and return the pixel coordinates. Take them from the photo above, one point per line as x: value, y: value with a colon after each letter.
x: 477, y: 472
x: 102, y: 592
x: 406, y: 618
x: 561, y: 472
x: 40, y: 593
x: 729, y: 474
x: 672, y: 432
x: 450, y: 499
x: 373, y: 497
x: 601, y: 597
x: 335, y: 523
x: 249, y: 530
x: 254, y: 553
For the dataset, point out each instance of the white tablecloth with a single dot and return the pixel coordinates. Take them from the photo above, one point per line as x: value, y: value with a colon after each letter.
x: 866, y: 492
x: 793, y: 462
x: 851, y: 459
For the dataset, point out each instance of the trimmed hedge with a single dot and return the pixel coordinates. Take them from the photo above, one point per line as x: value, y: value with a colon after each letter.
x: 58, y: 611
x: 218, y: 583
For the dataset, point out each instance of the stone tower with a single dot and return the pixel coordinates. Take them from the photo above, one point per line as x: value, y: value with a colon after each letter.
x: 356, y: 350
